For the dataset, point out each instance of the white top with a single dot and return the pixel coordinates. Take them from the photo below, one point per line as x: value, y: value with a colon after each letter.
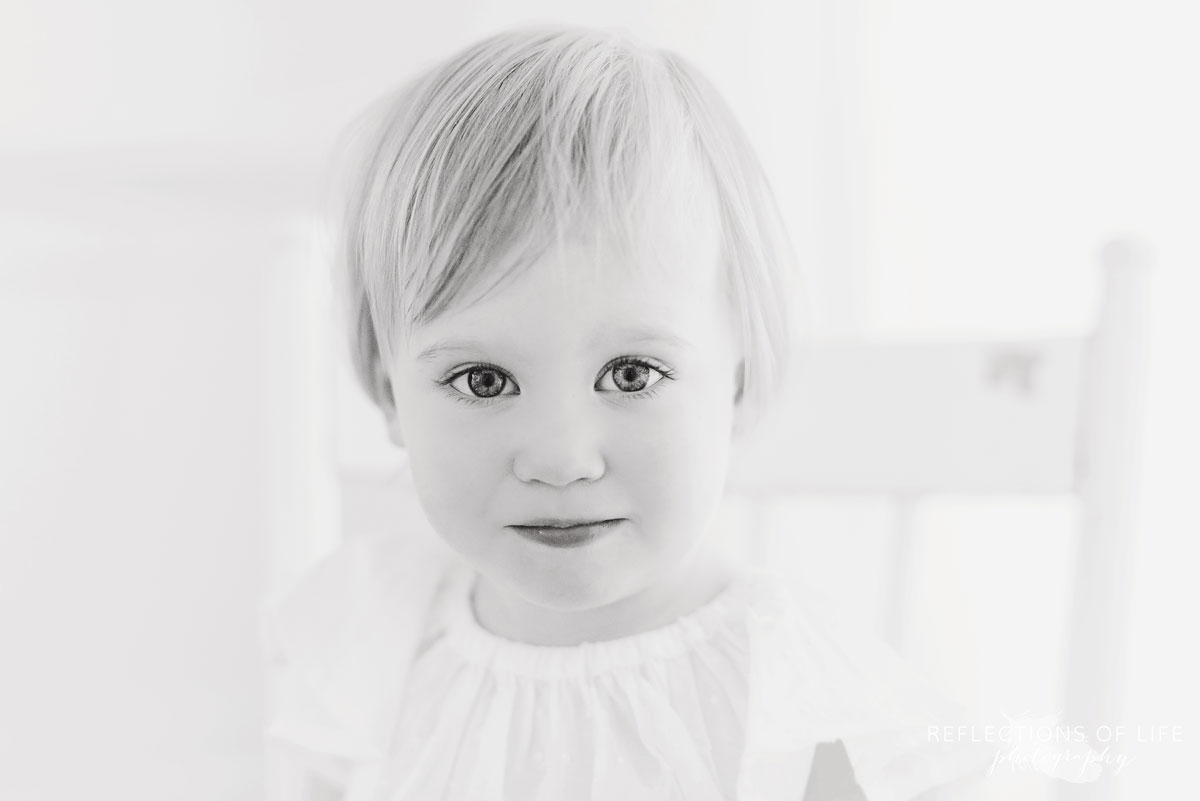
x: 727, y: 702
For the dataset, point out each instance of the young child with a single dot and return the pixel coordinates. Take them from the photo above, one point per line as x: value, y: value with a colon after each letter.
x: 570, y: 291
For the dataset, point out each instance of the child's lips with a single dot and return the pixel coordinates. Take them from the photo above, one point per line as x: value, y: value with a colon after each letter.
x: 565, y: 533
x: 564, y: 522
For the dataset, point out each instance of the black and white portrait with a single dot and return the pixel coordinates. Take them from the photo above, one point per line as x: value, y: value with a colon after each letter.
x: 657, y: 401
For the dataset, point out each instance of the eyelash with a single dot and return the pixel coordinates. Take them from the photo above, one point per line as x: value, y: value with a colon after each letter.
x: 667, y: 374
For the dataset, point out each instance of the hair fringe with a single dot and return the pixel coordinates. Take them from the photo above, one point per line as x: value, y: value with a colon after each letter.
x: 528, y: 140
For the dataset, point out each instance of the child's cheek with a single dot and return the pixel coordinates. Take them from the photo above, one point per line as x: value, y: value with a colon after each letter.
x: 678, y: 454
x: 466, y: 459
x: 457, y: 476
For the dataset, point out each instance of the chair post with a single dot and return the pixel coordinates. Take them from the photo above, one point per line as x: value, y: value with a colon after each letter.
x: 1108, y: 475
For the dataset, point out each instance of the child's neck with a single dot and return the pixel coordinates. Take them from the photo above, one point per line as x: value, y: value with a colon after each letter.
x: 696, y: 582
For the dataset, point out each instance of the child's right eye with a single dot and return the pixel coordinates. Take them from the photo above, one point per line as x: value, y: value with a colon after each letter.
x: 482, y: 382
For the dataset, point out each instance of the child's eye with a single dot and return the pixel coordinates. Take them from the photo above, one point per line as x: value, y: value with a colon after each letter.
x: 625, y: 375
x: 628, y: 374
x: 483, y: 381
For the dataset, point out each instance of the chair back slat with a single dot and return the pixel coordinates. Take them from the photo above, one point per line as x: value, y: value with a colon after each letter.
x: 916, y: 417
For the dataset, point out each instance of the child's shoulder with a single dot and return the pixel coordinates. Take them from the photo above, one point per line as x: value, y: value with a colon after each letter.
x: 819, y: 676
x: 365, y: 577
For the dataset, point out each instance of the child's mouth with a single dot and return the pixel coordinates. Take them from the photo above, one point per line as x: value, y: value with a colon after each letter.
x: 565, y: 534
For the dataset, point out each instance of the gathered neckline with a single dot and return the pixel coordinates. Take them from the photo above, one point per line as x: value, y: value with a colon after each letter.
x: 476, y: 644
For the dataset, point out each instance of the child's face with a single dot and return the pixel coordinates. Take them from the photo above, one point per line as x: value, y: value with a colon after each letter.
x: 583, y: 422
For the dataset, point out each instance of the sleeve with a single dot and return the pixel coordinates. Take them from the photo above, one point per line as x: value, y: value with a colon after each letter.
x: 337, y: 647
x: 817, y: 680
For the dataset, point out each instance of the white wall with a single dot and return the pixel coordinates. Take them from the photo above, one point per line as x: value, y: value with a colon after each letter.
x: 137, y: 401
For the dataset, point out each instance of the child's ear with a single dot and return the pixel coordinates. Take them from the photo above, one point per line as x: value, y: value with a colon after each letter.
x: 387, y: 402
x: 739, y: 382
x: 741, y: 413
x: 394, y: 432
x: 739, y: 392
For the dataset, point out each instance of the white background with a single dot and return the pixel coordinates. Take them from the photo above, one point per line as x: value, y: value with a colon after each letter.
x: 946, y: 168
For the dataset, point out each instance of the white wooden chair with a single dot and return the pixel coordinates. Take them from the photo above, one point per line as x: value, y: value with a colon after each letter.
x: 906, y: 420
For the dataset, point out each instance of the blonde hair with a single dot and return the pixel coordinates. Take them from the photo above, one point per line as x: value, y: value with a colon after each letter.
x: 487, y: 160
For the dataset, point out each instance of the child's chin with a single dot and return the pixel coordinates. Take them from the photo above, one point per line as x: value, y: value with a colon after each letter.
x: 574, y: 587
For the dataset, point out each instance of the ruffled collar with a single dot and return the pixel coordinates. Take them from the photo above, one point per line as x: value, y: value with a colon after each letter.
x: 477, y: 645
x: 344, y: 642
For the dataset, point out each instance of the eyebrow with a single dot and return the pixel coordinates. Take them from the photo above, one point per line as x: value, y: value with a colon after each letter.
x: 636, y: 335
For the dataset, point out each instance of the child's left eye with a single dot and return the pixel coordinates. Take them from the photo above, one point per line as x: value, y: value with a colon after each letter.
x: 630, y: 375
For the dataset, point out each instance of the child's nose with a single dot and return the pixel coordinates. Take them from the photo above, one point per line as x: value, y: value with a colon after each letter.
x: 561, y: 445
